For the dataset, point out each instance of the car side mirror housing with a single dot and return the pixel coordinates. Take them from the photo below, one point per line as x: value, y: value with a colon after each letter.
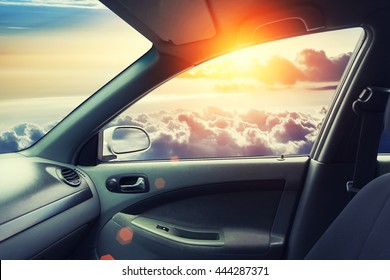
x: 122, y: 140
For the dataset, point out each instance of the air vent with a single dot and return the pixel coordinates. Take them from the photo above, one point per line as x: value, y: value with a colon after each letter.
x: 70, y: 177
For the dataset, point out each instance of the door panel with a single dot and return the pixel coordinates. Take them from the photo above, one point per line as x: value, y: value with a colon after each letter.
x: 383, y: 164
x: 208, y: 209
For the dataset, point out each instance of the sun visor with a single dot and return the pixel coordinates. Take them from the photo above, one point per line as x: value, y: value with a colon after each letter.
x: 281, y: 25
x: 176, y: 21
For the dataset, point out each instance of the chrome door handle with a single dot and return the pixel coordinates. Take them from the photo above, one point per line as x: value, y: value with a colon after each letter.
x: 139, y: 186
x: 128, y: 183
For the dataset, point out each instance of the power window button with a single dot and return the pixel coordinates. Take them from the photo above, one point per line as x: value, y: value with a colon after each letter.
x: 162, y: 228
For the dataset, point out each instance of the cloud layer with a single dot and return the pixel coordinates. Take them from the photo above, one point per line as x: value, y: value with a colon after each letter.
x: 318, y: 67
x: 309, y: 66
x: 22, y: 136
x: 211, y: 132
x: 214, y: 132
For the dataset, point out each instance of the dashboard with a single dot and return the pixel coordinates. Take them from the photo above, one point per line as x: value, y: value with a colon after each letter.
x: 46, y: 208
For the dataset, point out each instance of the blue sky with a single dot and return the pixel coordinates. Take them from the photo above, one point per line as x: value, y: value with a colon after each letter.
x: 54, y: 3
x: 46, y: 15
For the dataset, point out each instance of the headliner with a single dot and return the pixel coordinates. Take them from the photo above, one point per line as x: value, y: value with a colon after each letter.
x: 196, y: 30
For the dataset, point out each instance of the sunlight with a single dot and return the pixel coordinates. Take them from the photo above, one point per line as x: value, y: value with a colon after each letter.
x: 275, y: 62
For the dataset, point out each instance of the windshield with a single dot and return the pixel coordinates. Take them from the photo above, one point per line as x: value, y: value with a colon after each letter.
x: 53, y: 55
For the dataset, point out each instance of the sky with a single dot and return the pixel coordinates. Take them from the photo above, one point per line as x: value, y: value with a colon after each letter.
x: 57, y: 53
x: 55, y: 3
x: 53, y: 54
x: 52, y: 48
x: 236, y: 105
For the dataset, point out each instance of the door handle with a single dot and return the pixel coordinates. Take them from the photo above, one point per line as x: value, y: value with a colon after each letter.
x: 128, y: 184
x: 138, y: 186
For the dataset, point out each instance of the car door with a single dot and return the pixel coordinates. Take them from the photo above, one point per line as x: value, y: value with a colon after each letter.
x: 223, y: 175
x: 199, y: 209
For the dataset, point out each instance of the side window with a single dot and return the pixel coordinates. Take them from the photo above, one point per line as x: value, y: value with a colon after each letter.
x: 267, y: 100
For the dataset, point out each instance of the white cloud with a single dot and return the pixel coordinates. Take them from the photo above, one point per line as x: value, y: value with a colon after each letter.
x: 22, y: 136
x: 18, y: 28
x: 216, y: 133
x: 90, y: 4
x: 211, y: 132
x: 310, y: 66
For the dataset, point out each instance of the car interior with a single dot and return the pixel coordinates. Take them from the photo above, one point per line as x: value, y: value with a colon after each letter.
x: 62, y: 198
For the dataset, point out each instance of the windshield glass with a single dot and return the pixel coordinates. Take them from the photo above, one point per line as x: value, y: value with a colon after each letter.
x: 53, y: 55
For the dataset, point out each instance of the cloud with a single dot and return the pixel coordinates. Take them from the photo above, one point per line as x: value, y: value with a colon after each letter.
x: 55, y: 3
x: 22, y: 136
x: 318, y: 67
x: 310, y: 66
x: 9, y: 142
x: 214, y: 132
x: 278, y: 70
x: 21, y: 17
x: 235, y: 87
x: 219, y: 69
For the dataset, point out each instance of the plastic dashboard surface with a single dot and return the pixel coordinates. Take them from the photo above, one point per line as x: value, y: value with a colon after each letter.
x: 33, y: 191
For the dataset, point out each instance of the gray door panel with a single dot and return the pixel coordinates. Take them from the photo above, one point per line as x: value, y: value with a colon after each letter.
x: 211, y: 209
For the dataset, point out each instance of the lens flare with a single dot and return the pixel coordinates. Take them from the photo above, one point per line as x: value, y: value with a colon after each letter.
x: 107, y: 257
x: 124, y: 236
x: 159, y: 183
x: 175, y: 158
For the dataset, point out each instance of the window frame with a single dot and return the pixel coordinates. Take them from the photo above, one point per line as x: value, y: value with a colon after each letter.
x: 320, y: 134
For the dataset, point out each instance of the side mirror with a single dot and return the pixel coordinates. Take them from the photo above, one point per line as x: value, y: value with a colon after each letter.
x: 120, y: 140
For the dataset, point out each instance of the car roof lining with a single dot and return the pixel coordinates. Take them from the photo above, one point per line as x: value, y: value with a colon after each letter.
x: 198, y: 26
x: 202, y: 29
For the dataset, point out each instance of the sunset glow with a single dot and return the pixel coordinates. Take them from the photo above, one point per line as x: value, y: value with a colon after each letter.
x: 263, y: 100
x: 266, y: 100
